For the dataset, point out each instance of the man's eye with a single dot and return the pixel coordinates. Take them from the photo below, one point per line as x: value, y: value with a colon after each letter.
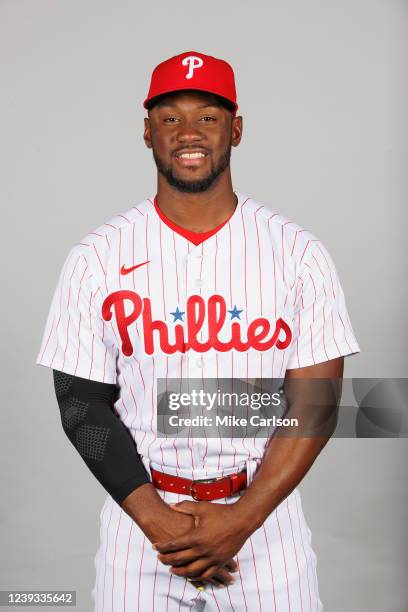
x: 170, y: 119
x: 208, y: 118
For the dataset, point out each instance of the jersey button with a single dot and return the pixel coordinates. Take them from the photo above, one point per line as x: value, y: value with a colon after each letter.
x: 200, y: 362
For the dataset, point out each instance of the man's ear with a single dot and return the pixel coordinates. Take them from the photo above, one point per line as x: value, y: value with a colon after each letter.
x: 236, y: 131
x: 147, y: 136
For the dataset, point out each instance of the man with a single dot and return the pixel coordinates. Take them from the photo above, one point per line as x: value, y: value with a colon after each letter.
x: 198, y: 282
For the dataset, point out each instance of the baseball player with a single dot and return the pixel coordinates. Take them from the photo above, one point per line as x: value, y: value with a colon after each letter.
x: 198, y: 281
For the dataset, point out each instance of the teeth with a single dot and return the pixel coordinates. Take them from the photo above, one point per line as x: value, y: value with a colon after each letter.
x: 191, y: 155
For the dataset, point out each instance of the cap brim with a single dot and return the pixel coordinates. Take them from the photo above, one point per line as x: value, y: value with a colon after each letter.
x: 150, y: 102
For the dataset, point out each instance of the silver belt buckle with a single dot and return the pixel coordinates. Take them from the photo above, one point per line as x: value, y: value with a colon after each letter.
x: 206, y: 480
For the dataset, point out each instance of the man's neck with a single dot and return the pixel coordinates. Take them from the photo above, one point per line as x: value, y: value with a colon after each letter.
x: 197, y: 212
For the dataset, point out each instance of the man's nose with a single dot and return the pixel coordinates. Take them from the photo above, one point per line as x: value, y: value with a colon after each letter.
x: 189, y: 132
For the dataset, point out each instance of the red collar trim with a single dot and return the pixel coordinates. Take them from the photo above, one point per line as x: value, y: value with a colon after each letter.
x: 194, y: 237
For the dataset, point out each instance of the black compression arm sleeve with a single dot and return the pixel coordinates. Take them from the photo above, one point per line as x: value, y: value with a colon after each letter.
x: 99, y: 436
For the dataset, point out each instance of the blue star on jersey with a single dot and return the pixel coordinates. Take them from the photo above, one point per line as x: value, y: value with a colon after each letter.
x: 178, y: 315
x: 235, y: 313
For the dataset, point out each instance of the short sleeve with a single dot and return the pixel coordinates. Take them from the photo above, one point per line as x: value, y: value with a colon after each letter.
x: 321, y: 325
x: 75, y: 339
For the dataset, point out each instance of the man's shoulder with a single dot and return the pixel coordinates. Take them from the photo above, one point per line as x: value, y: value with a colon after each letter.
x: 112, y: 230
x: 279, y: 224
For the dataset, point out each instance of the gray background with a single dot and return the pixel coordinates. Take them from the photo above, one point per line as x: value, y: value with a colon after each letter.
x: 323, y: 91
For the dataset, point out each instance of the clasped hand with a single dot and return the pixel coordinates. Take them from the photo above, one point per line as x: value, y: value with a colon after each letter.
x: 218, y: 535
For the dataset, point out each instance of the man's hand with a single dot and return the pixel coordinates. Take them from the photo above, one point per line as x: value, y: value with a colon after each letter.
x: 218, y: 535
x: 159, y: 523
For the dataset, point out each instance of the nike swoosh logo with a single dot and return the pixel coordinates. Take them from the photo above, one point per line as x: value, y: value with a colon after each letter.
x: 124, y: 270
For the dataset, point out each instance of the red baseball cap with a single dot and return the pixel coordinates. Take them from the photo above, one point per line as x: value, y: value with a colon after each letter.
x: 192, y: 70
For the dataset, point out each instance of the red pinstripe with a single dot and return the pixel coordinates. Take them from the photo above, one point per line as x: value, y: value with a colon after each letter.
x: 60, y: 310
x: 126, y: 565
x: 245, y: 276
x: 259, y: 260
x: 93, y: 335
x: 283, y: 256
x: 147, y: 257
x: 345, y: 337
x: 323, y: 310
x: 80, y: 319
x: 318, y: 265
x: 284, y: 556
x: 329, y: 269
x: 122, y: 400
x: 136, y: 408
x: 296, y: 557
x: 154, y: 585
x: 229, y: 597
x: 215, y: 599
x: 334, y: 337
x: 315, y: 295
x: 69, y: 315
x: 48, y: 339
x: 114, y: 556
x: 106, y: 552
x: 311, y: 345
x: 305, y: 249
x: 304, y: 553
x: 281, y: 368
x: 242, y: 585
x: 175, y: 261
x: 153, y: 409
x: 162, y: 278
x: 139, y: 211
x: 294, y: 242
x: 79, y: 342
x: 216, y: 354
x: 97, y: 577
x: 140, y: 573
x: 100, y: 262
x: 270, y: 565
x: 163, y: 440
x: 230, y: 265
x: 168, y: 593
x: 125, y: 218
x: 182, y: 595
x: 104, y: 362
x: 256, y: 574
x: 245, y: 264
x: 215, y: 263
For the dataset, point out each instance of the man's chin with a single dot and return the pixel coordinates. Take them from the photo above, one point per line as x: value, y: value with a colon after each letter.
x: 197, y: 185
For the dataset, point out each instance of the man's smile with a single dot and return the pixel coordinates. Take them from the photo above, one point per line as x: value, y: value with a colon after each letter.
x: 191, y: 157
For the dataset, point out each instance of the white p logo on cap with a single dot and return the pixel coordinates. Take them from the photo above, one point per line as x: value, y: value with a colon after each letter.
x: 193, y: 62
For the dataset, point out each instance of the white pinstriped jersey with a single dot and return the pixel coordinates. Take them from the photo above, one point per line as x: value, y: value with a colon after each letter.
x: 260, y: 296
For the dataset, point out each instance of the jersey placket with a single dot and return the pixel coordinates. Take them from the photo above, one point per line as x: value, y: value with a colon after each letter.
x: 198, y: 282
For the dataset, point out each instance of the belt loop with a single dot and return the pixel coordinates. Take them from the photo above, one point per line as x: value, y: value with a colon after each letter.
x: 234, y: 481
x: 252, y: 466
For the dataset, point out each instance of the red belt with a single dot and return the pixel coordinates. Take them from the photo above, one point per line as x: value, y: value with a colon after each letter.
x: 201, y: 490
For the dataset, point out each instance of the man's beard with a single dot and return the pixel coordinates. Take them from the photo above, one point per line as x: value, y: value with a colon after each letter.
x: 198, y: 185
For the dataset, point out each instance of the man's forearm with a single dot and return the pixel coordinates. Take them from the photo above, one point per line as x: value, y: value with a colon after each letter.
x: 284, y: 465
x: 292, y: 450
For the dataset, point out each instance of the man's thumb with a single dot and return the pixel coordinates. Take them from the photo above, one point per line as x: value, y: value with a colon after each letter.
x: 187, y: 507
